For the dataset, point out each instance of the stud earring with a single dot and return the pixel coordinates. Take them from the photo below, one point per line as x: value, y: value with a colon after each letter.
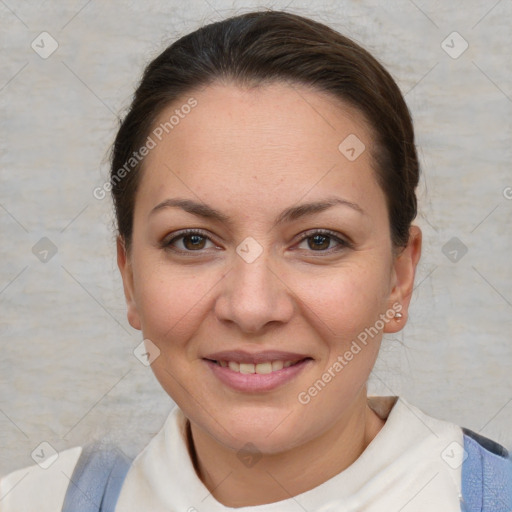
x: 398, y: 315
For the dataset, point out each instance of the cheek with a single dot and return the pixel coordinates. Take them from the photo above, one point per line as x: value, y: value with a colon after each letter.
x: 345, y: 300
x: 170, y: 301
x: 172, y: 305
x: 342, y: 306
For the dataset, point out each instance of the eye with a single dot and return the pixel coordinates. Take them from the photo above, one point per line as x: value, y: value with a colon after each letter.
x: 191, y: 240
x: 194, y: 240
x: 320, y: 241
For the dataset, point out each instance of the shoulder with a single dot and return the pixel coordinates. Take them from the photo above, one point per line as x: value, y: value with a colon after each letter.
x: 482, y: 443
x: 36, y: 488
x: 486, y: 473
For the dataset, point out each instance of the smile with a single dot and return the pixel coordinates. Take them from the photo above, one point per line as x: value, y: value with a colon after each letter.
x: 261, y: 368
x: 257, y: 377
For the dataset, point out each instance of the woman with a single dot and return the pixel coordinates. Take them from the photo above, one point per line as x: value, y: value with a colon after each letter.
x: 264, y: 185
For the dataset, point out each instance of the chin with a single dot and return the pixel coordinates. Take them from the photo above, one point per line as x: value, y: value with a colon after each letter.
x: 256, y: 431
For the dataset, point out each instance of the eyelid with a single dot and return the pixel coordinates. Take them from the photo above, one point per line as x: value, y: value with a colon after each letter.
x: 166, y: 242
x: 342, y: 241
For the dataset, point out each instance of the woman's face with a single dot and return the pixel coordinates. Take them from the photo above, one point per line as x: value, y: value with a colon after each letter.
x: 258, y: 173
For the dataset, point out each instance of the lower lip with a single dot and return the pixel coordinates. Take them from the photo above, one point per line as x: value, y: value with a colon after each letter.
x: 256, y: 382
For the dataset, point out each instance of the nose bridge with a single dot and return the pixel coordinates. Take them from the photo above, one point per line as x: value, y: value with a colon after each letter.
x: 255, y: 276
x: 253, y: 295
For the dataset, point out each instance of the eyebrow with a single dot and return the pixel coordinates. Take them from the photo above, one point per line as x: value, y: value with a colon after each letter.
x: 290, y: 214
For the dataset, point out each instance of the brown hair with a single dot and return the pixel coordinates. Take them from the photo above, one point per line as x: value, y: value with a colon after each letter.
x: 261, y: 47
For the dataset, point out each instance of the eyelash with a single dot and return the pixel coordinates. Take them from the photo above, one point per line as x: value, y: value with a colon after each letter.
x: 343, y: 244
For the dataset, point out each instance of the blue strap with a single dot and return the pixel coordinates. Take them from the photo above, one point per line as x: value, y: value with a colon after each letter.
x: 486, y: 475
x: 97, y: 479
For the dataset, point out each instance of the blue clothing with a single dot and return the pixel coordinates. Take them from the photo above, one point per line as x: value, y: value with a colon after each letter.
x: 97, y: 480
x: 486, y: 477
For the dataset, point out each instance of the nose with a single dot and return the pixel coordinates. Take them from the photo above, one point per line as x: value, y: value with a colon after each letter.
x: 254, y: 295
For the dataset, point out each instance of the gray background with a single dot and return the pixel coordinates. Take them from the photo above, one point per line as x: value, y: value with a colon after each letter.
x: 67, y: 370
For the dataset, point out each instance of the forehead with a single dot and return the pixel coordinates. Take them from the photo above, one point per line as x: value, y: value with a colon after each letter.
x: 277, y: 138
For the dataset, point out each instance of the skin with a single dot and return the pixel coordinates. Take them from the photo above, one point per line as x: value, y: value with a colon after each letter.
x: 251, y: 153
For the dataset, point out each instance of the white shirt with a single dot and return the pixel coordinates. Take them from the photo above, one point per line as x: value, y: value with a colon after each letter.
x: 412, y: 464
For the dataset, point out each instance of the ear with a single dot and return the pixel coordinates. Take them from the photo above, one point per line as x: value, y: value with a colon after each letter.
x: 404, y: 270
x: 125, y: 267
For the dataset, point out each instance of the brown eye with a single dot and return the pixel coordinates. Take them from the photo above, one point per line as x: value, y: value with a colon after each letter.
x: 318, y: 242
x: 188, y: 241
x: 321, y: 241
x: 194, y: 242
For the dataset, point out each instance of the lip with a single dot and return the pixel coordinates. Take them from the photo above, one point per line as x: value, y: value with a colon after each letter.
x: 255, y: 382
x: 241, y: 356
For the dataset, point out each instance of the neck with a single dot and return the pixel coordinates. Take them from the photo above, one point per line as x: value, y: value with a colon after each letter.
x: 280, y: 476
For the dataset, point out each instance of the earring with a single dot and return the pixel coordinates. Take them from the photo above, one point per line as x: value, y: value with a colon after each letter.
x: 398, y: 315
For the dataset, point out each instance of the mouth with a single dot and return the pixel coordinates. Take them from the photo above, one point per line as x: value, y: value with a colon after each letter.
x: 262, y: 368
x: 263, y: 376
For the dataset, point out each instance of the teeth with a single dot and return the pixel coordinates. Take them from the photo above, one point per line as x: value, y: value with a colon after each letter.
x: 234, y: 366
x: 277, y: 365
x: 247, y: 368
x: 261, y: 368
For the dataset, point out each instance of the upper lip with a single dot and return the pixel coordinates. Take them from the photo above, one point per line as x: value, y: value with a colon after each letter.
x: 241, y: 356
